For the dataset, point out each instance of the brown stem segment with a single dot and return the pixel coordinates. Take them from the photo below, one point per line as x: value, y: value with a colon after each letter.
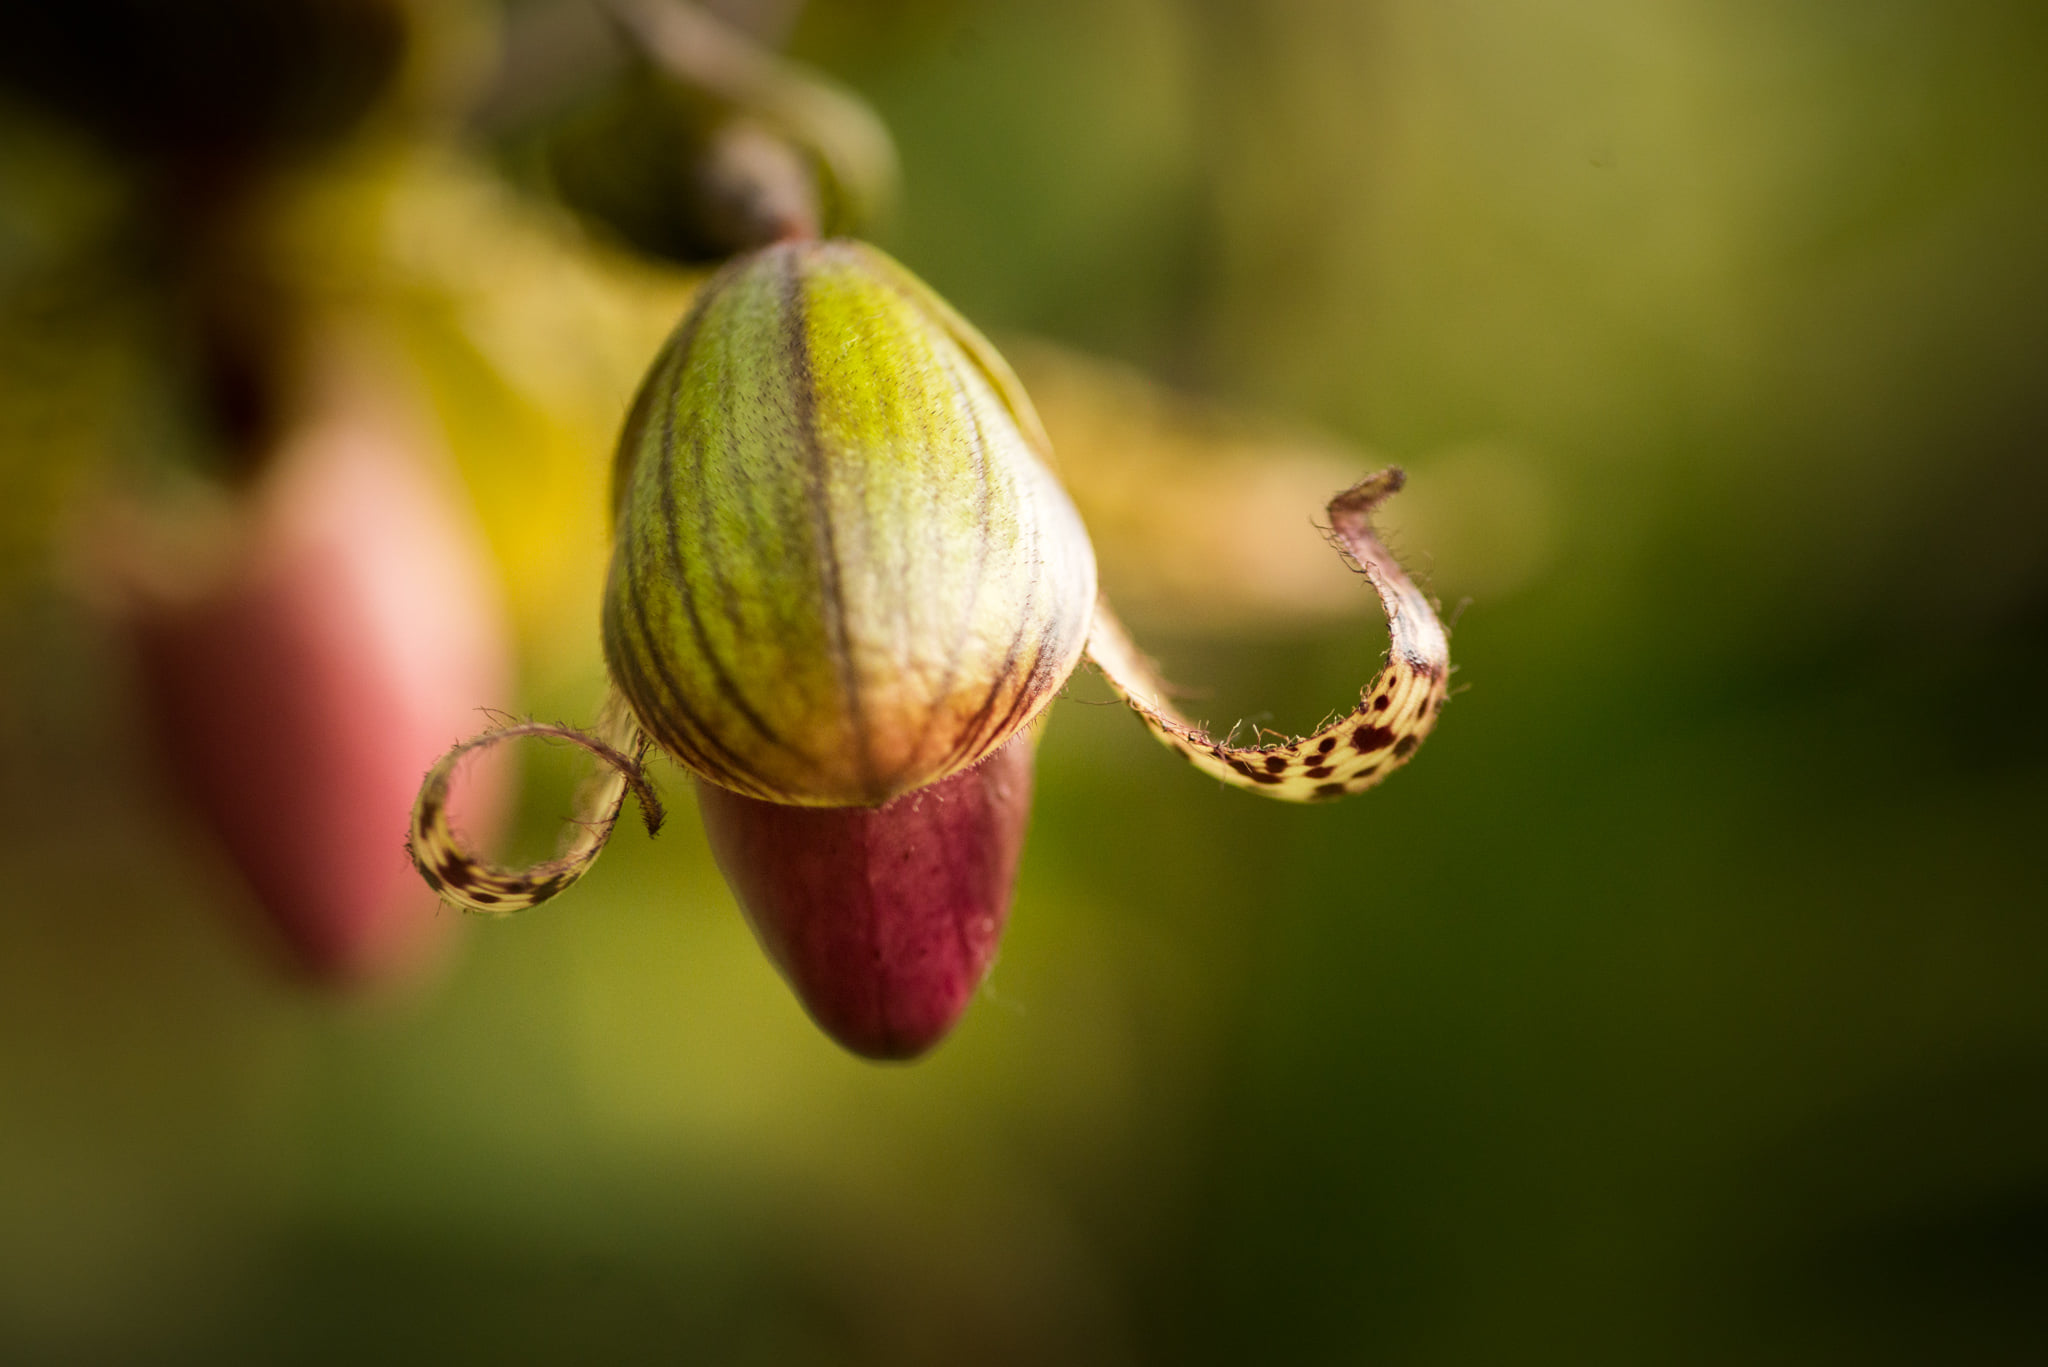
x: 462, y: 878
x: 701, y: 53
x: 1394, y: 714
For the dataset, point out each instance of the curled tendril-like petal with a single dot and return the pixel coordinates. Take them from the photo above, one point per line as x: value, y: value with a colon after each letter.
x: 470, y: 882
x: 1356, y: 751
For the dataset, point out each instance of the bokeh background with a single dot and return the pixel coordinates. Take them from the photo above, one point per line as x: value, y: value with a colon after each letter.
x: 1685, y: 1001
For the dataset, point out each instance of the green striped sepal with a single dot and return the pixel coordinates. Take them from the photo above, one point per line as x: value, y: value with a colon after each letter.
x: 842, y: 569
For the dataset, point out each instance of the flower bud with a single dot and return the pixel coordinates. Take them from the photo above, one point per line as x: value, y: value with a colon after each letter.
x: 297, y: 690
x: 842, y: 569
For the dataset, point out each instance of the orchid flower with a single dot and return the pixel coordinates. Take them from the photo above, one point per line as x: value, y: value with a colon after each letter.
x: 845, y: 585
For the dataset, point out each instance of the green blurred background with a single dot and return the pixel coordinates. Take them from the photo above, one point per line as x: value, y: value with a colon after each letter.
x: 1685, y: 1001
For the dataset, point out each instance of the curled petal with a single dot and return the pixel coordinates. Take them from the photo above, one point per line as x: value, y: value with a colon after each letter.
x: 468, y: 881
x: 1355, y: 752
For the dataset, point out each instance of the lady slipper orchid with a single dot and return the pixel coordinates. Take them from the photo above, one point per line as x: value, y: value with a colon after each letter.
x: 844, y: 584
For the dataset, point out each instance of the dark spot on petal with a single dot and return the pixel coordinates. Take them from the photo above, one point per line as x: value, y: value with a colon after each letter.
x: 1406, y: 747
x: 1379, y: 704
x: 1326, y: 791
x: 1265, y: 778
x: 1243, y: 768
x: 1367, y: 739
x: 1320, y: 771
x: 1329, y: 744
x: 430, y: 809
x: 430, y: 878
x: 1276, y: 763
x: 486, y: 898
x: 1367, y: 772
